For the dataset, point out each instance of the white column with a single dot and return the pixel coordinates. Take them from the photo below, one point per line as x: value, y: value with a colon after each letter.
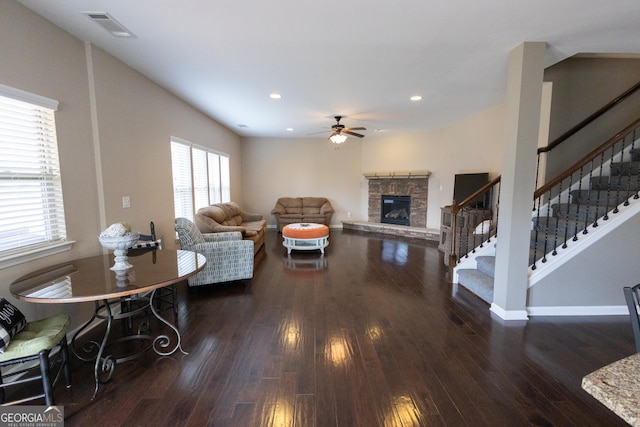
x: 522, y: 123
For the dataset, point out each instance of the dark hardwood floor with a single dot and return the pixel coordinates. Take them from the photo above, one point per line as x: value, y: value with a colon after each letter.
x: 371, y: 334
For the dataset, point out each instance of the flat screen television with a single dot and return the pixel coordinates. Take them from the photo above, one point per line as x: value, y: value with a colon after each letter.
x: 468, y: 183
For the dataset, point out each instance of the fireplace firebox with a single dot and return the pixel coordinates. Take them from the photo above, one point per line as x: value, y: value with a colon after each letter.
x: 395, y: 210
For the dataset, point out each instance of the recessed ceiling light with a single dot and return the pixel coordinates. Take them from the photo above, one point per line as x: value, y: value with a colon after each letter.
x: 275, y: 96
x: 242, y: 126
x: 289, y: 129
x: 416, y: 98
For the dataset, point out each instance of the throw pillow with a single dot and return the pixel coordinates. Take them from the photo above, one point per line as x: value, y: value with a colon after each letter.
x: 12, y: 321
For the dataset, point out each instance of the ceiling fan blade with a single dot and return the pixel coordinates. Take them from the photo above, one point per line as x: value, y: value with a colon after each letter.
x: 355, y: 128
x: 352, y: 133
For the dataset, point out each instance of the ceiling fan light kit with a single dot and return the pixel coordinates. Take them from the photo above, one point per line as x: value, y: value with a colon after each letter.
x: 338, y: 138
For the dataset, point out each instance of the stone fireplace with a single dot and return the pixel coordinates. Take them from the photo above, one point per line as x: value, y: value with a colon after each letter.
x: 406, y: 186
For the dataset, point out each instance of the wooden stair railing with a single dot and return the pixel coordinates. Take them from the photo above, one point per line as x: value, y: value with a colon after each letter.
x: 463, y: 238
x: 584, y: 123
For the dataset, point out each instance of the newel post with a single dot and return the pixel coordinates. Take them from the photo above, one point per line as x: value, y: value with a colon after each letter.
x: 453, y: 253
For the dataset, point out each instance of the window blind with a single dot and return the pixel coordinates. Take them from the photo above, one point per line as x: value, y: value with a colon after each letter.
x: 225, y: 179
x: 31, y: 202
x: 200, y: 178
x: 182, y: 185
x: 214, y: 178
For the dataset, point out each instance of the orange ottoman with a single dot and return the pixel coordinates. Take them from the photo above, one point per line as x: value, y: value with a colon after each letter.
x: 305, y: 237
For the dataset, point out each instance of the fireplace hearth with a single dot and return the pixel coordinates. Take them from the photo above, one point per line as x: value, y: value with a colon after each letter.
x: 395, y: 209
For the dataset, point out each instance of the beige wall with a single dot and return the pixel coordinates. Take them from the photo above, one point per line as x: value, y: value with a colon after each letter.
x: 274, y: 167
x: 39, y: 58
x: 135, y: 119
x: 581, y: 86
x: 470, y: 145
x: 295, y: 167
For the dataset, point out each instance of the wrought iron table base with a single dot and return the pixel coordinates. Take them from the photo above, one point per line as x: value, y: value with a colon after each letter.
x: 133, y: 306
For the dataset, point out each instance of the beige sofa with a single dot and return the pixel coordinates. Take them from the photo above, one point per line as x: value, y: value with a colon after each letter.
x: 290, y: 210
x: 225, y: 217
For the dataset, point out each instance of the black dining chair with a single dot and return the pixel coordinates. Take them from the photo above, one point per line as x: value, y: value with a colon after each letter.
x: 167, y: 297
x: 35, y: 344
x: 632, y: 295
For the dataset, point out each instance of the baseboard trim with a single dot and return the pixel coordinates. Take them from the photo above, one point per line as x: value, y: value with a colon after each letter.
x: 598, y: 310
x: 509, y: 314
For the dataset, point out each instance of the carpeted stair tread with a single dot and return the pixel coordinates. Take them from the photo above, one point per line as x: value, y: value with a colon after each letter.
x: 625, y: 168
x: 551, y: 240
x: 548, y: 226
x: 487, y: 265
x: 579, y: 212
x: 600, y: 197
x: 477, y: 282
x: 615, y: 183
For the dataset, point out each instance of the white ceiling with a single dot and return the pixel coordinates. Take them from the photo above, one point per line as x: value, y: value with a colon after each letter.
x: 362, y: 59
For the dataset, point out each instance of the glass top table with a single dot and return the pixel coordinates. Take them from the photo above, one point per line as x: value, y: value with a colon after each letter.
x: 90, y: 279
x: 124, y: 297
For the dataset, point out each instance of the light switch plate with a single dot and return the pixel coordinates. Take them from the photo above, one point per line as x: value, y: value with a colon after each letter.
x: 126, y: 202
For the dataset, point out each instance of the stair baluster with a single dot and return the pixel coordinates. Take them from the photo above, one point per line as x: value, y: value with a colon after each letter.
x: 566, y: 220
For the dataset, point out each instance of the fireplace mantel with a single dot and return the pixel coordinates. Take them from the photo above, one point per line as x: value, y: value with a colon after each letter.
x: 399, y: 174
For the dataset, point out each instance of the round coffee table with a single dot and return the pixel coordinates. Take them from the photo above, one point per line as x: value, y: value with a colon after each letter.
x: 305, y: 237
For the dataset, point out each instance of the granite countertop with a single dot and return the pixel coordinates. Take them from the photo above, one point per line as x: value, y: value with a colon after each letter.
x: 617, y: 386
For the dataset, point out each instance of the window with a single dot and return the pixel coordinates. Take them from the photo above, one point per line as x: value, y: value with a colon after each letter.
x: 31, y: 206
x: 200, y: 178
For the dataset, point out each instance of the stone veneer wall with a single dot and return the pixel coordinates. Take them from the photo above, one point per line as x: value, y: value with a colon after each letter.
x: 417, y: 188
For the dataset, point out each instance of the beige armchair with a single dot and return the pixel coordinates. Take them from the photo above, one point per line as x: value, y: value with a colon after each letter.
x: 291, y: 210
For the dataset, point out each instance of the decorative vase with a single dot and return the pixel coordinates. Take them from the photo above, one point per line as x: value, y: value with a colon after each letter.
x: 119, y: 246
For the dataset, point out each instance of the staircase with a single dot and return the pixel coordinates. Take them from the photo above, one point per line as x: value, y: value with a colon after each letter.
x: 479, y: 280
x: 568, y: 216
x: 567, y: 210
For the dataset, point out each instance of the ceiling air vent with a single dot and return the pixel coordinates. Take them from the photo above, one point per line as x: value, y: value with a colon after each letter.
x: 109, y: 23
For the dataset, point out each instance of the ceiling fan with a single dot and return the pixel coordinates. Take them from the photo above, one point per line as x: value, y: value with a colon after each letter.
x: 340, y: 132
